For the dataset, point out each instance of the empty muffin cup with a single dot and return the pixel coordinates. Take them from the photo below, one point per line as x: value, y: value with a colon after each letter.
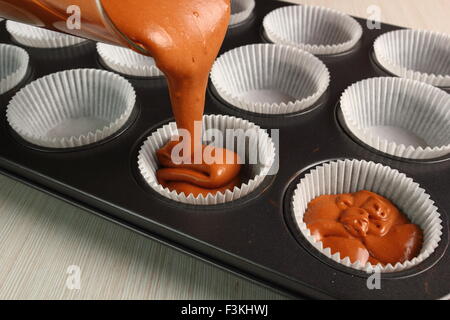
x: 40, y: 38
x: 259, y: 152
x: 349, y: 176
x: 127, y: 62
x: 416, y: 55
x: 270, y: 79
x: 13, y: 66
x: 320, y: 31
x: 400, y: 117
x: 241, y: 10
x: 71, y: 108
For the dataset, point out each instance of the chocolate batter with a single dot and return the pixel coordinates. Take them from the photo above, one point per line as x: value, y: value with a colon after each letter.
x: 363, y: 226
x: 184, y: 37
x: 201, y: 178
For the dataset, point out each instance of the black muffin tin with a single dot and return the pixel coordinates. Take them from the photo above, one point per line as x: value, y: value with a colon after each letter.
x: 254, y: 236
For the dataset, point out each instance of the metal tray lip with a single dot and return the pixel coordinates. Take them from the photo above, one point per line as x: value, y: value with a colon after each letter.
x: 426, y: 265
x: 160, y: 239
x: 264, y: 281
x: 342, y: 125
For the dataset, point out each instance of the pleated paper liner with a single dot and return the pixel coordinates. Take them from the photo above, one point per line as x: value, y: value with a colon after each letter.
x: 127, y: 62
x: 270, y: 79
x: 415, y: 54
x: 72, y: 108
x: 400, y: 117
x: 35, y: 37
x: 148, y: 163
x: 241, y: 10
x: 348, y: 176
x: 14, y: 63
x: 318, y: 30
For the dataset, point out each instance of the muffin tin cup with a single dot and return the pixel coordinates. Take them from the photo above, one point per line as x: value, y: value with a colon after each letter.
x: 35, y: 37
x: 127, y: 62
x: 349, y: 176
x: 270, y: 79
x: 148, y: 163
x: 71, y: 108
x: 400, y: 117
x: 14, y: 63
x: 415, y: 54
x: 241, y: 10
x: 318, y: 30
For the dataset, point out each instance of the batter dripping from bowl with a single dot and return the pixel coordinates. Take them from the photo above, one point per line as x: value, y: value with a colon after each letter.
x: 184, y: 37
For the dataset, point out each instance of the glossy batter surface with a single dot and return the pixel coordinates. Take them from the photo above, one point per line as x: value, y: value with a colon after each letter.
x: 184, y: 37
x: 363, y: 226
x: 201, y: 178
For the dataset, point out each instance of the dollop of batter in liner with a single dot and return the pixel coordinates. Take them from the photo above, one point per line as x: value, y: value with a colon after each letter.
x: 363, y: 226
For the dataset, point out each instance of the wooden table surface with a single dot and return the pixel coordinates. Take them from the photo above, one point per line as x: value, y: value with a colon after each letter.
x: 41, y: 237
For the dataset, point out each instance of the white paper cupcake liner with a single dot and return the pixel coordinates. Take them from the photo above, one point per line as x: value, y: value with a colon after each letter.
x: 349, y: 176
x: 127, y: 62
x: 71, y: 108
x: 40, y: 38
x: 13, y: 66
x: 148, y: 163
x: 270, y: 78
x: 241, y: 10
x: 400, y: 117
x: 416, y: 55
x: 318, y: 30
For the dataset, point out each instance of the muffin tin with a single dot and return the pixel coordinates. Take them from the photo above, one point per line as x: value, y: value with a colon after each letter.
x: 255, y: 236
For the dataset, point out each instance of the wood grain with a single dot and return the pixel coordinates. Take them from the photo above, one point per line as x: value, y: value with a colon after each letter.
x: 40, y: 237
